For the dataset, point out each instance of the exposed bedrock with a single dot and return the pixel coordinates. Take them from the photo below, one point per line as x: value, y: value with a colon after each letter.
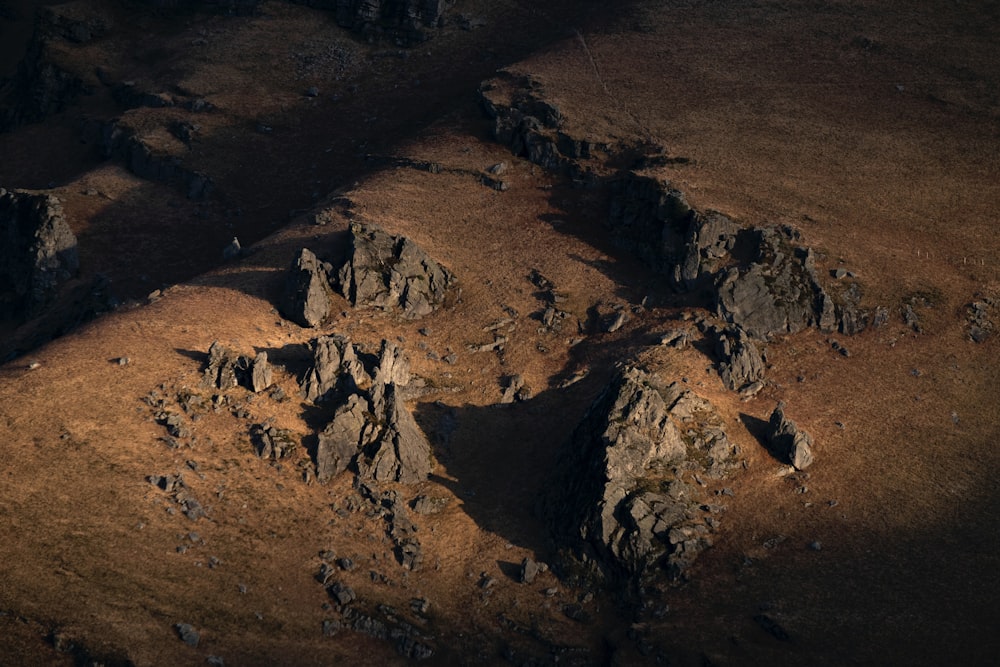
x: 371, y: 428
x: 40, y: 87
x: 225, y: 369
x: 123, y: 144
x: 628, y: 494
x: 788, y: 441
x: 38, y: 253
x: 306, y: 300
x: 759, y: 278
x: 392, y: 273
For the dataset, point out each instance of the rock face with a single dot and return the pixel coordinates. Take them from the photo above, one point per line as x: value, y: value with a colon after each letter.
x: 306, y: 300
x: 625, y: 495
x: 122, y: 143
x: 40, y: 87
x: 391, y: 273
x: 370, y: 428
x: 788, y: 440
x: 38, y: 252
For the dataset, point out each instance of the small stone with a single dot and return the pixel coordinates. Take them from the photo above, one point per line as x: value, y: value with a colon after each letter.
x: 188, y: 634
x: 529, y: 570
x: 312, y: 91
x: 816, y: 545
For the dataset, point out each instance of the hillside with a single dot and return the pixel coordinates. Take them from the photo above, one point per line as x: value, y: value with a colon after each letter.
x: 761, y: 202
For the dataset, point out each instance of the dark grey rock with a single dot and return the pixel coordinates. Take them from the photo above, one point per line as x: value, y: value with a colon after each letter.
x: 741, y: 363
x: 261, y: 375
x: 188, y: 634
x: 786, y: 439
x: 336, y: 367
x: 342, y: 439
x: 38, y: 253
x: 621, y: 487
x: 306, y: 299
x: 342, y: 593
x: 391, y: 273
x: 271, y: 442
x: 399, y: 452
x: 232, y: 251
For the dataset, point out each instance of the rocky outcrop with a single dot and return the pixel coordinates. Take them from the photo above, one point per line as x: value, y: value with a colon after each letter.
x: 38, y: 253
x: 120, y: 142
x: 336, y: 368
x: 778, y: 292
x: 306, y: 300
x: 371, y: 428
x: 628, y: 493
x: 980, y: 317
x: 741, y: 361
x: 226, y: 369
x: 391, y: 273
x: 39, y: 88
x: 533, y: 127
x: 787, y: 440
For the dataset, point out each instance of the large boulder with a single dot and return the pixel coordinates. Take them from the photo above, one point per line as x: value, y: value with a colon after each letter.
x: 625, y: 493
x: 306, y: 300
x: 787, y: 440
x: 778, y: 291
x: 391, y: 273
x: 38, y: 252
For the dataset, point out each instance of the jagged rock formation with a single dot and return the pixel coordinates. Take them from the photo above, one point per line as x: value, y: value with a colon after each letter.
x: 391, y: 273
x: 787, y: 440
x: 306, y: 300
x: 226, y: 369
x: 38, y: 252
x: 532, y: 127
x: 40, y: 87
x: 741, y: 362
x: 370, y: 428
x: 626, y: 495
x: 778, y: 292
x: 336, y: 366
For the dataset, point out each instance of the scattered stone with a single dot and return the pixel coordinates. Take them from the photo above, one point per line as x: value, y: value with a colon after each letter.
x: 306, y: 299
x: 788, y: 441
x: 260, y: 373
x: 514, y: 389
x: 816, y: 545
x: 424, y: 504
x: 529, y: 570
x: 342, y: 593
x: 188, y: 634
x: 391, y: 273
x: 980, y: 315
x: 678, y: 339
x: 271, y: 442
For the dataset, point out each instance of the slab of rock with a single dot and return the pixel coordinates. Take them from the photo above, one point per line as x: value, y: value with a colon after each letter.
x: 225, y: 369
x: 306, y: 300
x: 786, y: 439
x: 391, y: 273
x: 342, y: 439
x: 38, y: 253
